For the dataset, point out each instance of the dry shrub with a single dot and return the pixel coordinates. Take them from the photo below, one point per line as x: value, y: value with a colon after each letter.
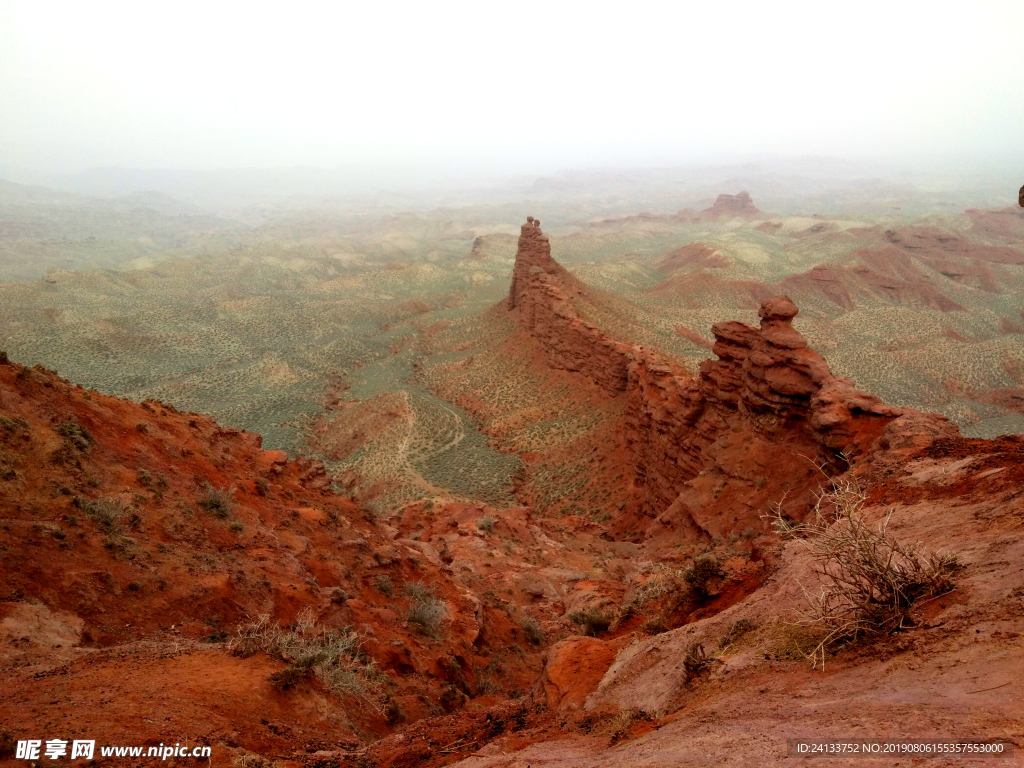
x: 532, y: 630
x: 75, y: 434
x: 426, y: 611
x: 592, y: 621
x: 107, y: 513
x: 333, y: 657
x: 696, y: 659
x: 219, y: 502
x: 870, y: 580
x: 253, y: 760
x: 736, y: 630
x: 700, y: 572
x: 662, y: 581
x: 620, y: 724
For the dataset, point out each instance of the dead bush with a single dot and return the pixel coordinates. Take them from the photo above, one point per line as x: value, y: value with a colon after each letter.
x: 869, y: 580
x: 532, y: 630
x: 735, y: 631
x: 426, y: 612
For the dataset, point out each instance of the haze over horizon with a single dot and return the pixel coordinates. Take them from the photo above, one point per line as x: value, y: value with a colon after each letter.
x: 478, y: 91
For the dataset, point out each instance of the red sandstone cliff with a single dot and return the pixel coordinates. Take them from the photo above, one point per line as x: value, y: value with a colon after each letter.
x: 541, y: 295
x: 711, y: 452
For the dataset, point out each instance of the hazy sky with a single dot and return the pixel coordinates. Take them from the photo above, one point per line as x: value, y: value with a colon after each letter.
x: 516, y: 86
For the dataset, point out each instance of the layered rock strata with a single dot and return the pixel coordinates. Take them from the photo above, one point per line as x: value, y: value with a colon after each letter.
x: 541, y: 294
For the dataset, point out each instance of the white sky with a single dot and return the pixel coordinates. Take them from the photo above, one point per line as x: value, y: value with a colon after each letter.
x: 509, y: 86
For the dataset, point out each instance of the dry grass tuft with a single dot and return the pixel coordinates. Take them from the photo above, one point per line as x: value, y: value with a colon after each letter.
x: 333, y: 657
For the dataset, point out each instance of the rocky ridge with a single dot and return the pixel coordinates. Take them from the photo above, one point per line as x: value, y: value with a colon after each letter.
x: 709, y: 451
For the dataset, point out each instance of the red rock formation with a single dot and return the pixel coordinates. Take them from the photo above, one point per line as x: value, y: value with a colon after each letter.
x: 766, y: 420
x: 540, y: 296
x: 730, y: 206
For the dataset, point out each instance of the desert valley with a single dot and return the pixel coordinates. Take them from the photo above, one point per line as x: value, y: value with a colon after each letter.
x: 663, y: 488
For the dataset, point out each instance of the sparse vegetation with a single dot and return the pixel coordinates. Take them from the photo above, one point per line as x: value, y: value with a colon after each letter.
x: 252, y: 760
x: 384, y: 585
x: 426, y: 611
x: 696, y: 659
x: 735, y: 631
x: 699, y: 573
x: 532, y: 630
x: 487, y: 524
x: 107, y: 513
x: 592, y: 621
x: 75, y: 434
x: 333, y: 657
x: 218, y: 502
x: 870, y: 581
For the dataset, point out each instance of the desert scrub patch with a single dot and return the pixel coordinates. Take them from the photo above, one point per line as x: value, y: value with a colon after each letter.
x: 426, y: 612
x: 655, y: 625
x: 253, y: 760
x: 75, y: 434
x: 624, y: 720
x: 662, y: 581
x: 107, y: 513
x: 10, y: 425
x: 384, y: 585
x: 699, y: 573
x: 592, y: 621
x: 737, y: 630
x: 487, y: 524
x: 335, y: 658
x: 532, y: 630
x: 218, y: 502
x: 870, y: 580
x: 696, y: 659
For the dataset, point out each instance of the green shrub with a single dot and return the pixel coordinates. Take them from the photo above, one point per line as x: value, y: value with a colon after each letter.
x: 487, y: 524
